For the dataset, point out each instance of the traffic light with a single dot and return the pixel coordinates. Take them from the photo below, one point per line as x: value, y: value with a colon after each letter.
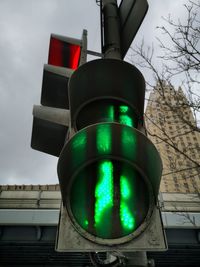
x: 64, y: 52
x: 92, y: 119
x: 109, y: 171
x: 51, y: 119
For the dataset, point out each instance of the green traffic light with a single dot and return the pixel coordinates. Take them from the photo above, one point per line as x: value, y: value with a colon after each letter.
x: 103, y: 190
x: 107, y: 111
x: 119, y: 113
x: 101, y: 207
x: 125, y: 188
x: 124, y: 119
x: 86, y: 223
x: 108, y: 195
x: 127, y: 219
x: 123, y: 109
x: 111, y: 113
x: 103, y: 198
x: 104, y: 138
x: 124, y: 116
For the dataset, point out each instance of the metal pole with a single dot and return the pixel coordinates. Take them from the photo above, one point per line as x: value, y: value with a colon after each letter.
x: 101, y: 25
x: 138, y: 259
x: 111, y: 29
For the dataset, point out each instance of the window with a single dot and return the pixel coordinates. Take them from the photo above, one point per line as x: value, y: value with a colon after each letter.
x: 175, y: 179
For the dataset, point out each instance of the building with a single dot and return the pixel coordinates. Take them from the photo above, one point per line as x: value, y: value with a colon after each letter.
x: 171, y: 126
x: 29, y: 217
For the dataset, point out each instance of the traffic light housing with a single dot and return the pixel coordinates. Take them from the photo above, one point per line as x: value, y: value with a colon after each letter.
x: 92, y: 119
x: 109, y: 171
x: 106, y: 187
x: 51, y: 119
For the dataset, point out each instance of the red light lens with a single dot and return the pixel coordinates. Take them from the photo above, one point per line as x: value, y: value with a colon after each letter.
x: 64, y: 54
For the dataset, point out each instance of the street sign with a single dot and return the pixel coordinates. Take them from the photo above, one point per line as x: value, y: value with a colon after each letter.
x: 131, y: 13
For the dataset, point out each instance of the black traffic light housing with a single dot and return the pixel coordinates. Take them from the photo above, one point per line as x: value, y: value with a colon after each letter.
x: 51, y: 119
x: 100, y: 84
x: 92, y: 118
x: 106, y: 157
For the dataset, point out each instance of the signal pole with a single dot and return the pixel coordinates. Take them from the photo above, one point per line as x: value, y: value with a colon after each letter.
x: 111, y: 29
x: 112, y: 49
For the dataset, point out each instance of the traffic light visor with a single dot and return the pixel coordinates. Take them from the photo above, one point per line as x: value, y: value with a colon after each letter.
x: 108, y: 182
x: 106, y: 110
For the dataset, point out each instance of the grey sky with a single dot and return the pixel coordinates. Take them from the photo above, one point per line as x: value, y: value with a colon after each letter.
x: 25, y: 27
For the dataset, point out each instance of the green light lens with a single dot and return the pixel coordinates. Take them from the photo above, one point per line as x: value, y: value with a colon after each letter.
x: 104, y: 138
x: 123, y: 109
x: 129, y: 143
x: 79, y: 146
x: 127, y: 219
x: 124, y: 117
x: 111, y: 113
x: 106, y: 111
x: 109, y: 199
x: 103, y: 190
x: 125, y: 187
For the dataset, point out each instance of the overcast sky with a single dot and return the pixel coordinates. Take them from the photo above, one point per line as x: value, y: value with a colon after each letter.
x: 25, y: 27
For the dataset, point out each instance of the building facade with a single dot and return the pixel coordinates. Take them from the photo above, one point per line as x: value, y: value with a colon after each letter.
x: 29, y: 216
x: 172, y: 128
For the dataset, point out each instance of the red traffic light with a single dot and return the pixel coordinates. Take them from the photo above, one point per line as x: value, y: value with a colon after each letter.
x: 63, y: 53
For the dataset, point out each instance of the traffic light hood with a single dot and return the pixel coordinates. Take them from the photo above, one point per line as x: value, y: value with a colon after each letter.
x: 104, y: 81
x: 115, y: 152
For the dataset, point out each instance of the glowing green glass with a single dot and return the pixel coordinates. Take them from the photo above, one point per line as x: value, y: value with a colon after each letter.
x: 111, y: 113
x: 79, y: 145
x: 129, y: 143
x: 123, y: 109
x: 127, y: 219
x: 124, y: 187
x: 124, y: 119
x: 104, y: 138
x: 79, y: 140
x: 128, y: 138
x: 103, y: 191
x: 110, y: 203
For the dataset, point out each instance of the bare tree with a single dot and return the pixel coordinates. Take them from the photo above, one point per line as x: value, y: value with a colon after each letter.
x: 180, y: 61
